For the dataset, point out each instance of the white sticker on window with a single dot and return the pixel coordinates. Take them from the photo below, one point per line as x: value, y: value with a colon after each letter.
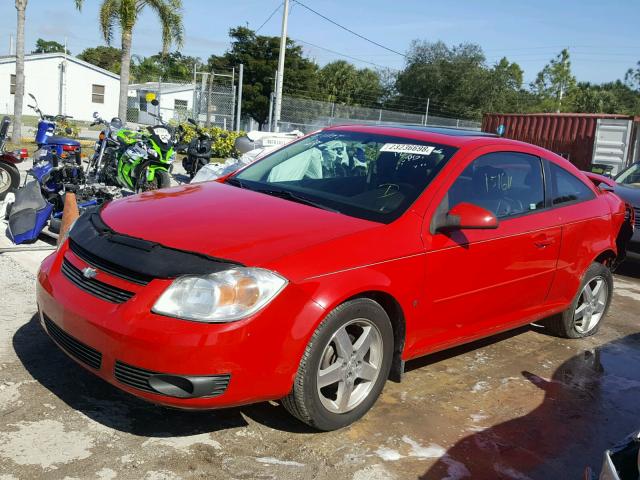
x: 407, y: 148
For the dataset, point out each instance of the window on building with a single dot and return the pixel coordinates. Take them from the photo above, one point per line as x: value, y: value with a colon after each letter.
x: 97, y: 93
x: 180, y: 106
x: 12, y: 85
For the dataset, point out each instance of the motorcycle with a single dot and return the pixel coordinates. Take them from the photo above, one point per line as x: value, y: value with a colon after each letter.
x: 145, y: 165
x: 63, y: 147
x: 9, y: 174
x: 135, y: 160
x: 198, y: 151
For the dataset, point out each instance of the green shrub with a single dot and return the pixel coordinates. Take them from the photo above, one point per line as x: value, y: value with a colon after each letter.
x: 222, y: 141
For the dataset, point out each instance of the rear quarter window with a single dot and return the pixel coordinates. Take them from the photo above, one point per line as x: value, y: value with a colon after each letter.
x: 566, y: 187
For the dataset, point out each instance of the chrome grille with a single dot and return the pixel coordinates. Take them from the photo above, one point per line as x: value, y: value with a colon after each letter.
x: 78, y: 350
x: 95, y: 287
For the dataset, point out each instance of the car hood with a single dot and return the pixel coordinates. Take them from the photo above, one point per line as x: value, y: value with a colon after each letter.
x: 628, y: 194
x: 228, y: 222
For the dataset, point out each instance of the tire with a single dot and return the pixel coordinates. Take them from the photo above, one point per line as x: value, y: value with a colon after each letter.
x: 583, y: 318
x: 327, y: 407
x: 161, y: 179
x: 9, y: 179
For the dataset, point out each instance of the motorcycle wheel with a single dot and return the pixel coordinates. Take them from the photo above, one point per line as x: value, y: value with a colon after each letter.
x: 160, y: 180
x: 198, y: 166
x: 9, y: 179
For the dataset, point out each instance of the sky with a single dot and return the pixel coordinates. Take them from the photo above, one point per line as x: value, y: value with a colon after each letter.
x: 603, y: 37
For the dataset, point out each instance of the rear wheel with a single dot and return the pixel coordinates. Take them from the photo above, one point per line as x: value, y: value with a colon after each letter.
x: 589, y: 307
x: 9, y: 179
x: 344, y: 367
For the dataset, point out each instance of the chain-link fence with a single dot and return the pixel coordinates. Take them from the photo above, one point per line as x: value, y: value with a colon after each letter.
x: 209, y: 99
x: 307, y: 115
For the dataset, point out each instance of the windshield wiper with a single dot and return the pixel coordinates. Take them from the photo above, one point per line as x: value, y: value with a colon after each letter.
x: 286, y: 194
x: 234, y: 181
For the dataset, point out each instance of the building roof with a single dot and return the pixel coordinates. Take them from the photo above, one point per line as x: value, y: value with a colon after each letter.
x: 164, y: 87
x: 70, y: 58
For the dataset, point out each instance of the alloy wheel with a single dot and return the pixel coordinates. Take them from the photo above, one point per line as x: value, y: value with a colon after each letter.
x: 5, y: 180
x: 349, y: 365
x: 591, y: 305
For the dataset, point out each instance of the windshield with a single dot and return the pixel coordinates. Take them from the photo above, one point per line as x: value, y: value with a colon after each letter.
x: 369, y: 176
x: 630, y: 177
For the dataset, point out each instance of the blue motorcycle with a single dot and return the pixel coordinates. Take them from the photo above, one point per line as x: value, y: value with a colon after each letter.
x: 63, y: 147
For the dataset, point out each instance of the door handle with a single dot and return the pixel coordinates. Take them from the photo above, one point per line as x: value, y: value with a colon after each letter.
x: 543, y: 241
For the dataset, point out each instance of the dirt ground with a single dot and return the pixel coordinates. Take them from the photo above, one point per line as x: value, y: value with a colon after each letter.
x: 518, y: 406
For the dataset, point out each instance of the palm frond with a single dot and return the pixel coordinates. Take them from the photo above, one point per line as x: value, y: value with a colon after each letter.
x: 108, y: 17
x: 170, y: 14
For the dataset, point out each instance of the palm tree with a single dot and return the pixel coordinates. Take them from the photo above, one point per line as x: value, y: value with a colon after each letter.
x: 21, y: 6
x: 123, y: 14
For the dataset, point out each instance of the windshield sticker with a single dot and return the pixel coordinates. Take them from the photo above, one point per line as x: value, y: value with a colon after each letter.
x: 407, y: 148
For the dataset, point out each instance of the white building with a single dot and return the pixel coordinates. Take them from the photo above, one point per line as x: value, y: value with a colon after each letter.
x: 63, y: 84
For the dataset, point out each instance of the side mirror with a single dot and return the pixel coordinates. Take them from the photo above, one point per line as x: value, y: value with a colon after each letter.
x: 192, y: 121
x: 467, y: 216
x: 155, y: 102
x: 68, y: 131
x: 34, y: 98
x: 95, y: 115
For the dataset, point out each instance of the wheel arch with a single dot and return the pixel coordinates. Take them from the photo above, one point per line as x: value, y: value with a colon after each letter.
x: 398, y: 323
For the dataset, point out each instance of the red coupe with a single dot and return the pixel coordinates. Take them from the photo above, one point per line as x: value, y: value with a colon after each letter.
x: 312, y: 275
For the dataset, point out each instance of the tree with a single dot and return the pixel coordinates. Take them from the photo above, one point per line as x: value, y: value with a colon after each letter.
x: 554, y: 82
x: 49, y: 46
x: 259, y: 54
x: 124, y: 14
x: 454, y: 79
x: 632, y: 78
x: 342, y: 82
x: 173, y: 67
x: 103, y: 57
x: 21, y: 6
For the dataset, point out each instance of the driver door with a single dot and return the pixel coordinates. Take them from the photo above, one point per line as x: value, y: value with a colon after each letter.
x: 482, y: 281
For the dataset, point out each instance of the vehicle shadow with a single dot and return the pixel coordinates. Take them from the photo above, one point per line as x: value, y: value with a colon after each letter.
x: 107, y: 405
x: 589, y: 404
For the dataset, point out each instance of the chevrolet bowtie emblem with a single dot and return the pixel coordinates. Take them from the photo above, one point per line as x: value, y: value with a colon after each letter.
x: 89, y: 272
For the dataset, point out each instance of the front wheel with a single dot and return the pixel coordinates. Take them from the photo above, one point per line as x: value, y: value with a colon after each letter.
x: 589, y: 307
x: 9, y: 179
x: 344, y: 367
x: 161, y: 179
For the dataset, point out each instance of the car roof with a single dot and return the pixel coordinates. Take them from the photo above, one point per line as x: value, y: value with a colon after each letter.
x: 455, y: 137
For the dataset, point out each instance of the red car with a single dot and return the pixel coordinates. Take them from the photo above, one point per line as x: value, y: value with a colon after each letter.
x: 313, y: 274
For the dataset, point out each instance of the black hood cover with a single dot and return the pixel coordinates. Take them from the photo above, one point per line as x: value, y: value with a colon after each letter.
x: 135, y: 259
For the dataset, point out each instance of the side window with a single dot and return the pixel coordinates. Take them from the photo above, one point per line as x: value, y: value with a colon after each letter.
x: 12, y: 84
x: 505, y: 183
x: 567, y: 187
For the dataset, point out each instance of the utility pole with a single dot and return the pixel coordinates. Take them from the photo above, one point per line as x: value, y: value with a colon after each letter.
x: 280, y: 76
x: 11, y: 45
x: 239, y: 111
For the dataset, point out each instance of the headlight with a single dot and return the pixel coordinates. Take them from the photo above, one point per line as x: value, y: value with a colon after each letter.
x: 220, y: 297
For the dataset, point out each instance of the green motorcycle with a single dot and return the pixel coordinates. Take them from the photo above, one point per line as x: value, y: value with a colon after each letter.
x: 146, y: 157
x: 136, y: 160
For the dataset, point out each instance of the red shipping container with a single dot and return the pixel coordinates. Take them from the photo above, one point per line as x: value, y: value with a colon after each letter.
x: 570, y: 135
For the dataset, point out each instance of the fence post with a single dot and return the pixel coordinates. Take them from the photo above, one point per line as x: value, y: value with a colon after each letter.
x: 158, y: 112
x: 194, y: 100
x: 271, y: 111
x: 239, y: 106
x: 380, y: 117
x: 426, y: 113
x: 208, y: 120
x: 457, y: 122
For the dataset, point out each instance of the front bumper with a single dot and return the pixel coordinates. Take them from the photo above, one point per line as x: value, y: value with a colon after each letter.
x: 154, y: 357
